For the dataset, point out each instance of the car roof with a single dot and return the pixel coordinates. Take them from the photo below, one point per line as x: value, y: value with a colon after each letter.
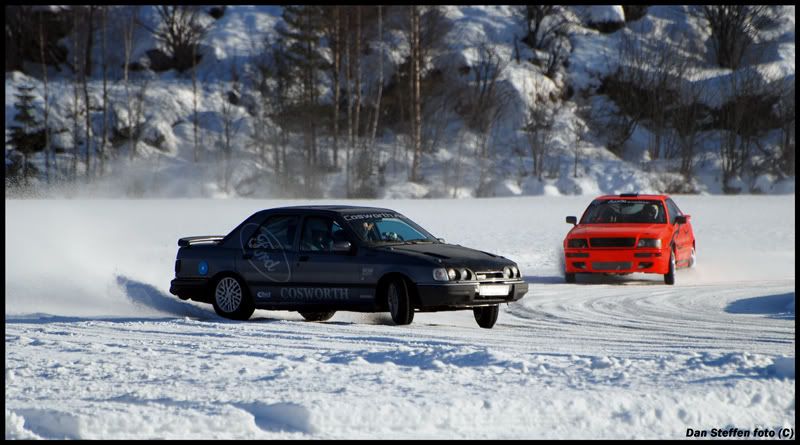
x: 633, y: 196
x: 330, y: 208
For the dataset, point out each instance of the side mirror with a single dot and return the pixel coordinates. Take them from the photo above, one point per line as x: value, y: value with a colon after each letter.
x: 441, y: 240
x: 342, y: 246
x: 681, y: 219
x: 572, y: 220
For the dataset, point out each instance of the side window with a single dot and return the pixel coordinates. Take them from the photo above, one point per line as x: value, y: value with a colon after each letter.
x: 276, y: 233
x: 319, y: 234
x: 674, y: 211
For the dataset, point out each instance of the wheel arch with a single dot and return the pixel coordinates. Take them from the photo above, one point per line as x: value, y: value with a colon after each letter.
x: 383, y: 284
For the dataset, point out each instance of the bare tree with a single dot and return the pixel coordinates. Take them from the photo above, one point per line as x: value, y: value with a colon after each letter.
x: 379, y: 94
x: 195, y: 121
x: 784, y: 110
x: 688, y: 118
x: 349, y: 91
x: 230, y: 128
x: 357, y: 61
x: 46, y: 97
x: 129, y: 25
x: 734, y: 29
x: 538, y: 128
x: 547, y: 30
x: 181, y: 32
x: 643, y: 90
x: 333, y: 32
x: 104, y: 136
x: 415, y: 78
x: 579, y: 130
x: 745, y: 116
x: 75, y: 111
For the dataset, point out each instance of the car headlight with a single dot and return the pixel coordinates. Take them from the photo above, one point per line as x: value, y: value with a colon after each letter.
x: 440, y: 274
x: 452, y: 274
x: 507, y: 272
x: 515, y: 271
x: 464, y: 274
x: 649, y: 242
x: 578, y: 243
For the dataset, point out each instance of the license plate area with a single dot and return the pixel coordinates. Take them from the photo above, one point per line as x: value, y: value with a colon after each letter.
x: 494, y: 290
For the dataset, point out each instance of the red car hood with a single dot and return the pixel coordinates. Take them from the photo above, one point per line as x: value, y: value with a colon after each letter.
x: 620, y: 230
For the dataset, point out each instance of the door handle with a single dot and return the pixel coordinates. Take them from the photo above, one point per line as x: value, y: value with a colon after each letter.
x: 303, y: 258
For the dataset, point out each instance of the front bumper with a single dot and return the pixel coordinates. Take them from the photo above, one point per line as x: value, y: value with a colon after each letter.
x: 194, y: 288
x: 616, y: 261
x: 465, y: 295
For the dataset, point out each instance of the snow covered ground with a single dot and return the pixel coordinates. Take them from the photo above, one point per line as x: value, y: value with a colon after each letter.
x: 96, y: 347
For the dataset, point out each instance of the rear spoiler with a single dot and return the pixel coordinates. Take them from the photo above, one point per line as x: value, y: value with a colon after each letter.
x: 189, y: 240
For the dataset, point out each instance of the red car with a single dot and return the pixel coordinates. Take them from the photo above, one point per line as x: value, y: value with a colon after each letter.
x: 622, y: 234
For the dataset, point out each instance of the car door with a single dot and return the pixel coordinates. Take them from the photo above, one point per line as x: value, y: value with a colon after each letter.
x: 682, y: 236
x: 267, y: 255
x: 323, y: 275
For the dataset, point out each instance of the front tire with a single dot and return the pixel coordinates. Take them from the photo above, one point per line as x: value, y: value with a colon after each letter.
x: 486, y: 316
x: 317, y: 316
x: 232, y: 300
x: 669, y: 278
x: 399, y: 302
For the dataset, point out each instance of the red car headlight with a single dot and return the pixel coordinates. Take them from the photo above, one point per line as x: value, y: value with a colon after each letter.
x: 650, y: 243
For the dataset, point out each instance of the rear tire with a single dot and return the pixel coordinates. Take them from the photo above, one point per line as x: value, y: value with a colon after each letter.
x: 232, y: 300
x: 669, y: 278
x: 569, y: 277
x: 317, y: 316
x: 399, y: 302
x: 486, y: 316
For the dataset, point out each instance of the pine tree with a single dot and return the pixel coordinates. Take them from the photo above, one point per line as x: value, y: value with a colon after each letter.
x: 26, y: 137
x: 304, y: 26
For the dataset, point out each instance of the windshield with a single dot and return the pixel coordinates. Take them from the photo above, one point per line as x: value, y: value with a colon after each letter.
x: 387, y: 228
x: 616, y: 211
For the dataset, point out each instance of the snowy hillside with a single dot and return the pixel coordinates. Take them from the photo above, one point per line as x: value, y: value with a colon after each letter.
x: 96, y: 347
x: 578, y: 151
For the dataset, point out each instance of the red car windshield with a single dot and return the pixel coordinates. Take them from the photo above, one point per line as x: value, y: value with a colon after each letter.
x: 624, y: 211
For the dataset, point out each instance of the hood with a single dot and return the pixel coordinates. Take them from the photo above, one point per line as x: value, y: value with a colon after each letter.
x: 452, y: 255
x: 619, y: 230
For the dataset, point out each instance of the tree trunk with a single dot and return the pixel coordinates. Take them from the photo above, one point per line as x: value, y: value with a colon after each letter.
x: 102, y: 152
x: 87, y: 67
x: 337, y: 62
x: 348, y: 85
x: 47, y: 147
x: 195, y: 123
x: 417, y: 100
x: 75, y: 118
x: 356, y: 123
x: 380, y: 80
x: 88, y: 128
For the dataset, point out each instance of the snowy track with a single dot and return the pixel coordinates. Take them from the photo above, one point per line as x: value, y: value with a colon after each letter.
x: 96, y: 347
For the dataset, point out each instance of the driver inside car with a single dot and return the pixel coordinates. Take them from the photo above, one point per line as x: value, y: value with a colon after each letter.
x: 369, y: 232
x: 651, y: 213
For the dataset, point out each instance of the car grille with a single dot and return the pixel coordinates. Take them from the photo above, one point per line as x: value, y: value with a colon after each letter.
x: 612, y: 242
x: 611, y: 265
x: 489, y: 276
